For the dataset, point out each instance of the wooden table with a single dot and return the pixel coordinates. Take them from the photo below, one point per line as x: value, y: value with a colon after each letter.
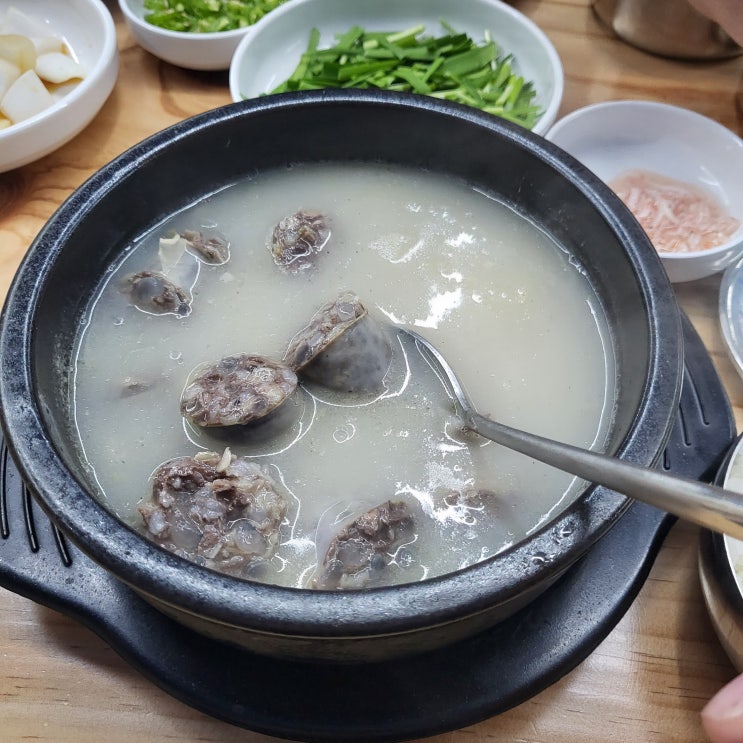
x: 647, y: 681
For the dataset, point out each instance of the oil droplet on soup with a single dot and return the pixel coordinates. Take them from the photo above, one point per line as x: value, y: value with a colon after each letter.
x: 381, y: 478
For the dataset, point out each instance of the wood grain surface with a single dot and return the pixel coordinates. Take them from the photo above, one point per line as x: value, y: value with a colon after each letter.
x: 647, y: 681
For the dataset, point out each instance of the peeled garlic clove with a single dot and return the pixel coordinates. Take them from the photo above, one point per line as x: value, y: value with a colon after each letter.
x: 47, y: 44
x: 18, y: 50
x: 26, y: 97
x: 171, y: 250
x: 9, y: 73
x: 18, y: 22
x: 56, y: 67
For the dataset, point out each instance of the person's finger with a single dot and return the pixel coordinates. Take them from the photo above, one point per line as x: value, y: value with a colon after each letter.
x: 722, y: 717
x: 727, y: 13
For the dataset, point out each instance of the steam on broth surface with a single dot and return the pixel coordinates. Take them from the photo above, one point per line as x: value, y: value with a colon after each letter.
x: 511, y: 310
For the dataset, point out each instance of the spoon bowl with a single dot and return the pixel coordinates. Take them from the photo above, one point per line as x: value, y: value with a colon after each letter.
x: 701, y: 503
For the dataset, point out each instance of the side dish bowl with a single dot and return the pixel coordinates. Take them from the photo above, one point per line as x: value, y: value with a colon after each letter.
x: 194, y: 51
x: 619, y: 136
x: 88, y: 30
x: 721, y: 568
x: 76, y: 249
x: 267, y: 57
x: 730, y: 310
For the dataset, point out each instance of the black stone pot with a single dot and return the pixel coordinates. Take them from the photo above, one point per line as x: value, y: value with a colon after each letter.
x: 69, y: 258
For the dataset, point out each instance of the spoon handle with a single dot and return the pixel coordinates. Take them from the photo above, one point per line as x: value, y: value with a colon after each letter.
x: 707, y: 505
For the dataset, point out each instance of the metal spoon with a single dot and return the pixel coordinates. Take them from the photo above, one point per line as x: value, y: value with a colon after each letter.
x: 707, y: 505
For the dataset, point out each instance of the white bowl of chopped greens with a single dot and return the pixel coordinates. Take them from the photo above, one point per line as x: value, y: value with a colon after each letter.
x: 58, y: 65
x: 481, y: 53
x: 192, y: 33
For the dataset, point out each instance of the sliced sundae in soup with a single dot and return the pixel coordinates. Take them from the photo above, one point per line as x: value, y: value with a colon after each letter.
x: 218, y: 510
x: 237, y: 390
x: 342, y: 348
x: 344, y: 465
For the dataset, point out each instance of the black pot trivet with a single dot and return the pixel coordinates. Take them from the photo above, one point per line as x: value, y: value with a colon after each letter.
x: 391, y: 701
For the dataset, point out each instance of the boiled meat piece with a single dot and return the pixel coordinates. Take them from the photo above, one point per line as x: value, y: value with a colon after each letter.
x: 298, y: 238
x: 154, y: 292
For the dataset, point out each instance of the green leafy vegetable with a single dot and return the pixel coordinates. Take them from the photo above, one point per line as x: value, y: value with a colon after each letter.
x: 451, y: 66
x: 206, y: 16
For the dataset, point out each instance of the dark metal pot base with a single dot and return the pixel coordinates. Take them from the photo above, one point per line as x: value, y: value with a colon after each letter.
x: 391, y: 701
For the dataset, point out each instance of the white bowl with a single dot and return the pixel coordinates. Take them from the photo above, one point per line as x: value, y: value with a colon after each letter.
x: 194, y: 51
x: 730, y: 310
x: 88, y: 29
x: 610, y: 138
x: 268, y: 55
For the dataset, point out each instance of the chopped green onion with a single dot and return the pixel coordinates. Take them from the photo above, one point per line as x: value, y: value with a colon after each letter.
x: 206, y: 16
x: 452, y: 67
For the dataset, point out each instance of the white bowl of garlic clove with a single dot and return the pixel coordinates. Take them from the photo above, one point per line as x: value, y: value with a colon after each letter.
x: 58, y: 65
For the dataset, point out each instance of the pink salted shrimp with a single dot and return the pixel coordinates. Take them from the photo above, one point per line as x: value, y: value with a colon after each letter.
x: 678, y: 217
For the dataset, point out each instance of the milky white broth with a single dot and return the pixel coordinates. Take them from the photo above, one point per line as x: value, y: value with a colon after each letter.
x: 512, y: 310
